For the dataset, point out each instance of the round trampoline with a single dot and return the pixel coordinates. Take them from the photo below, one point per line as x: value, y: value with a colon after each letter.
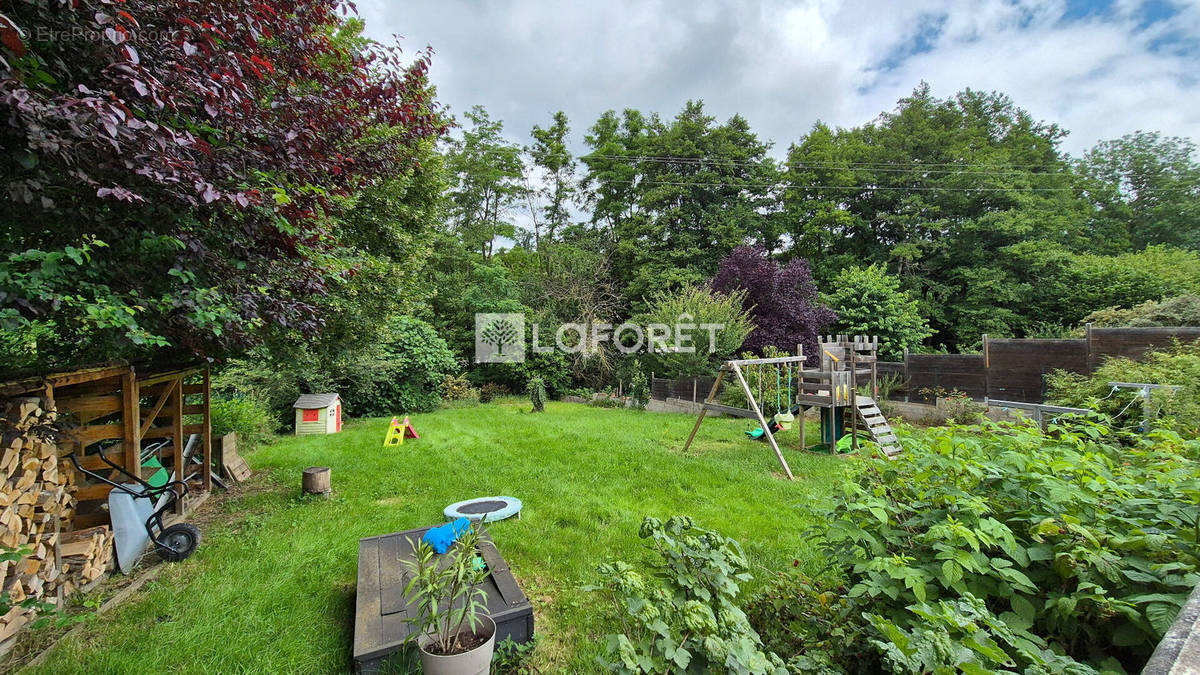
x: 493, y: 508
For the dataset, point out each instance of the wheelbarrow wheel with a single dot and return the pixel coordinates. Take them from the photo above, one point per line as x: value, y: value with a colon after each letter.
x: 178, y: 541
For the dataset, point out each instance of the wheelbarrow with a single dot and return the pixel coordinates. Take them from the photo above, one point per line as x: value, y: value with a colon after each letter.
x: 136, y: 509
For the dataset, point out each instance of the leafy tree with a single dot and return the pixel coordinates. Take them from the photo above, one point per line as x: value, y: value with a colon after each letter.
x: 782, y: 301
x: 1146, y: 190
x: 678, y: 196
x: 552, y: 159
x: 934, y: 190
x: 179, y: 194
x: 686, y: 312
x: 487, y: 183
x: 868, y: 301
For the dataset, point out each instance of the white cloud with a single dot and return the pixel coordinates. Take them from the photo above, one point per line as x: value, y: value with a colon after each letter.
x: 784, y: 65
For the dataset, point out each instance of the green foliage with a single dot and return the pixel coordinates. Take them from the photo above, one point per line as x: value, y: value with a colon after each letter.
x: 512, y: 658
x: 1144, y: 186
x: 487, y: 181
x: 685, y: 312
x: 490, y: 391
x: 252, y: 421
x: 639, y: 387
x: 868, y: 301
x: 607, y: 402
x: 1182, y: 310
x: 769, y: 384
x: 671, y: 222
x: 985, y: 547
x: 458, y: 388
x: 537, y: 393
x: 446, y: 590
x: 1177, y: 410
x: 680, y: 613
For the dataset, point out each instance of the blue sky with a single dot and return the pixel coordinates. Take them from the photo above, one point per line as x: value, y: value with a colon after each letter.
x: 1099, y: 69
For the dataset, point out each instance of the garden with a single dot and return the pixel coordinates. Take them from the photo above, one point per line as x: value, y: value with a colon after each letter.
x: 268, y: 232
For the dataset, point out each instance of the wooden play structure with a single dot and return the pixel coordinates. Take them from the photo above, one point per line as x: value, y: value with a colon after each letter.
x: 831, y: 388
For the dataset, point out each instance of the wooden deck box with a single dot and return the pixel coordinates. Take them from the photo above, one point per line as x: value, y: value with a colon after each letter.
x: 380, y: 619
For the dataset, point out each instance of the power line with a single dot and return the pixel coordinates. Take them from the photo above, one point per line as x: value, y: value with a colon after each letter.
x: 861, y: 188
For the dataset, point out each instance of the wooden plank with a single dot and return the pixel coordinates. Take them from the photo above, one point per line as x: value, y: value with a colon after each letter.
x: 168, y: 375
x: 368, y: 635
x: 177, y: 440
x: 169, y: 431
x: 158, y: 406
x: 89, y: 492
x: 195, y: 388
x: 193, y: 409
x: 704, y: 411
x: 86, y: 520
x: 730, y: 410
x: 131, y: 409
x: 766, y: 429
x: 85, y: 436
x: 392, y: 576
x: 93, y: 463
x: 206, y: 435
x: 95, y: 405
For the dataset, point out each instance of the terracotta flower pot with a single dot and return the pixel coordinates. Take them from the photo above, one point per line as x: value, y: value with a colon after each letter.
x: 477, y: 661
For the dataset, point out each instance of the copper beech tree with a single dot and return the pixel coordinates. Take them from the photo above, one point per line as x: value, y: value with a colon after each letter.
x: 173, y: 169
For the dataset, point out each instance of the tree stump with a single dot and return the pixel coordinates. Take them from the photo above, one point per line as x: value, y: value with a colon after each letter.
x: 316, y: 481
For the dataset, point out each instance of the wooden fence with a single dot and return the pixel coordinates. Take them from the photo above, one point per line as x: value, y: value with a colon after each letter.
x: 1016, y: 369
x: 1008, y: 369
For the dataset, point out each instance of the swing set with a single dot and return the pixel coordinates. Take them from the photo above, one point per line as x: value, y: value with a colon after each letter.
x: 831, y: 388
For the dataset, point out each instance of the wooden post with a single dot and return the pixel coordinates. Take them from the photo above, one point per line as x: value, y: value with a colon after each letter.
x: 206, y: 451
x: 177, y: 440
x: 987, y: 367
x: 316, y: 481
x: 906, y: 374
x: 131, y: 417
x: 853, y: 399
x: 694, y: 381
x: 703, y: 411
x: 766, y: 430
x: 1091, y: 367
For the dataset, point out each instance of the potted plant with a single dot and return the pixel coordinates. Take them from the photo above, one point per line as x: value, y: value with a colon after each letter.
x: 453, y: 631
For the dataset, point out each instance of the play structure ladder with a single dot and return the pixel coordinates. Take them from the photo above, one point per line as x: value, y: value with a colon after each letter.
x: 877, y: 425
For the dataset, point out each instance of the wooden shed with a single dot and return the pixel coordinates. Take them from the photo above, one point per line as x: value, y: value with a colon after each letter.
x: 318, y: 414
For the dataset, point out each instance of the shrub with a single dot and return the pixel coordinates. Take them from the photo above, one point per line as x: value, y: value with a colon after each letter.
x: 418, y: 360
x: 1001, y: 547
x: 458, y: 388
x: 253, y: 422
x: 1183, y: 310
x: 1176, y: 410
x: 607, y: 402
x: 639, y: 387
x: 868, y: 301
x: 680, y: 613
x: 537, y: 393
x: 491, y: 390
x: 696, y: 305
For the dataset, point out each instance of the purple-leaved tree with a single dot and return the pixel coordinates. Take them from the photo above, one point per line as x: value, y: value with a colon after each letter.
x: 782, y: 301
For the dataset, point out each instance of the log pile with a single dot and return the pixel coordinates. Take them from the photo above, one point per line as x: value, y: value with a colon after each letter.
x: 36, y: 510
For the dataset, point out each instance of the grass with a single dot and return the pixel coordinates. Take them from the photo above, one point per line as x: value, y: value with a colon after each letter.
x: 271, y: 589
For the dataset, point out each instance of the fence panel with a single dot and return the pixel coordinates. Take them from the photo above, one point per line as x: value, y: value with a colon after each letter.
x: 962, y: 372
x: 1017, y: 368
x: 1133, y: 343
x: 687, y: 388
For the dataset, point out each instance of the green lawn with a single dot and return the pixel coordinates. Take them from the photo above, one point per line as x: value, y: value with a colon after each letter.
x: 271, y: 589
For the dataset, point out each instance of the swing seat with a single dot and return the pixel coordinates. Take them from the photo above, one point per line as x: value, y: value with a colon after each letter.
x: 755, y: 433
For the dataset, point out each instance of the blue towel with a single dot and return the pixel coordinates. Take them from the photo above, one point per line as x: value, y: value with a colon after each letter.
x: 440, y: 538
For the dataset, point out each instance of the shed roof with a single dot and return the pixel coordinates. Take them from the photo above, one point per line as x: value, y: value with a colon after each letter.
x: 310, y: 401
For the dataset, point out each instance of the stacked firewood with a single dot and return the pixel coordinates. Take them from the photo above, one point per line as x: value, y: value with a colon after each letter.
x: 36, y: 510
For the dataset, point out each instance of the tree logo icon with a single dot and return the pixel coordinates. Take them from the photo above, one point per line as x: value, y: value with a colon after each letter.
x: 500, y: 338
